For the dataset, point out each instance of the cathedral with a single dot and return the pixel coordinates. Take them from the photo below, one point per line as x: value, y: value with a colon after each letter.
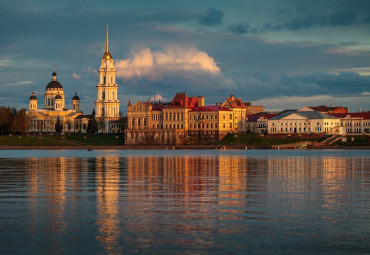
x: 55, y: 115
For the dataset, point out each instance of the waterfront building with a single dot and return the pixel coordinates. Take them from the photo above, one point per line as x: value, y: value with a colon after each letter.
x: 54, y: 112
x: 185, y: 120
x: 354, y: 123
x: 239, y: 111
x: 304, y: 122
x: 107, y: 103
x: 258, y: 123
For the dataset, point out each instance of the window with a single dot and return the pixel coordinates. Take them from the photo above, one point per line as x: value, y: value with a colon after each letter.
x: 224, y: 116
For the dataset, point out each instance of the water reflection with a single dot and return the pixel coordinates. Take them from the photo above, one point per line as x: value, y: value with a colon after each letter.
x: 107, y: 210
x: 184, y: 203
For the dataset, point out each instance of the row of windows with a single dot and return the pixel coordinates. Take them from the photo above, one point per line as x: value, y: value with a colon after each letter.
x: 198, y: 125
x: 292, y: 130
x: 331, y: 123
x: 355, y: 130
x: 203, y: 116
x: 170, y: 126
x: 173, y: 117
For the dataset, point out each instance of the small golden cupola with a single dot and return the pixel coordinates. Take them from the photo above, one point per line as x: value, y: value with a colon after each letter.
x: 33, y: 102
x: 76, y: 102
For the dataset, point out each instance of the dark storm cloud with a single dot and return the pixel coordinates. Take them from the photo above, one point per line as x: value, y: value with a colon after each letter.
x: 343, y: 84
x: 303, y: 17
x: 212, y: 17
x: 342, y: 18
x: 238, y: 29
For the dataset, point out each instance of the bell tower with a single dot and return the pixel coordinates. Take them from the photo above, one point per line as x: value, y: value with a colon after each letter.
x: 107, y: 104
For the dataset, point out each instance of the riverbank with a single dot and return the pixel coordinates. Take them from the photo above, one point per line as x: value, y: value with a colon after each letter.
x: 164, y: 147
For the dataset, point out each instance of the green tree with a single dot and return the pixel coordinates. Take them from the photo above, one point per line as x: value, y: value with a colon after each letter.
x: 58, y: 126
x: 92, y: 126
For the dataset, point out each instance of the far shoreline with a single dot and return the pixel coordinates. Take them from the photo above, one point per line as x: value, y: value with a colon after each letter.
x: 166, y: 147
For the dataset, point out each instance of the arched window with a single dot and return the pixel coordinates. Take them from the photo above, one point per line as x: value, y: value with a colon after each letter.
x: 103, y: 95
x: 104, y: 80
x: 133, y: 122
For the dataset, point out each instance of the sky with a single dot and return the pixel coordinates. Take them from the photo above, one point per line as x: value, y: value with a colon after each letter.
x: 280, y: 54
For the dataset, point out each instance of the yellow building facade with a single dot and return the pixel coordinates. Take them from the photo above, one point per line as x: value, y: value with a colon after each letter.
x: 185, y: 120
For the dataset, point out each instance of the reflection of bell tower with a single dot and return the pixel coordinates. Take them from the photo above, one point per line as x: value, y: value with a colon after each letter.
x: 107, y: 104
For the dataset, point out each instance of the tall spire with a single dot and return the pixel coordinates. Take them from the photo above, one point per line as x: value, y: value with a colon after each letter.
x: 107, y: 55
x: 107, y: 48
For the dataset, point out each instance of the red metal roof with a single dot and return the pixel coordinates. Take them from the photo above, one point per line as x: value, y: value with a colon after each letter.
x: 362, y: 115
x: 208, y: 108
x: 255, y: 117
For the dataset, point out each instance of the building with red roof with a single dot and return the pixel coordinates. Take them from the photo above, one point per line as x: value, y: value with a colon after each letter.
x: 240, y: 110
x: 181, y: 121
x: 258, y: 123
x: 354, y: 123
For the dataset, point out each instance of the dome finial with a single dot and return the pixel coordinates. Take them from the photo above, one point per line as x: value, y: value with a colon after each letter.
x: 54, y: 74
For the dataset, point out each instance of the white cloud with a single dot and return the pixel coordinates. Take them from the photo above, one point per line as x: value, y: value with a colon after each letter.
x: 76, y: 76
x: 157, y: 98
x: 359, y: 70
x: 5, y: 62
x: 17, y: 83
x: 154, y: 65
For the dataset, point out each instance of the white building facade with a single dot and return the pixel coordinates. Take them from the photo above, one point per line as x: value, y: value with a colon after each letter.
x: 304, y: 122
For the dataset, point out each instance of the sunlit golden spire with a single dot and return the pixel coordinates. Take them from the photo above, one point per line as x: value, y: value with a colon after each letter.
x: 107, y: 55
x: 107, y: 48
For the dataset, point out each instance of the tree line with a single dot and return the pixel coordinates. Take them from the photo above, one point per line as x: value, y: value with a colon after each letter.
x: 13, y: 121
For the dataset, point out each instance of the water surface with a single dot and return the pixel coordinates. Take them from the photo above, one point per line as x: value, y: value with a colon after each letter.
x: 132, y: 201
